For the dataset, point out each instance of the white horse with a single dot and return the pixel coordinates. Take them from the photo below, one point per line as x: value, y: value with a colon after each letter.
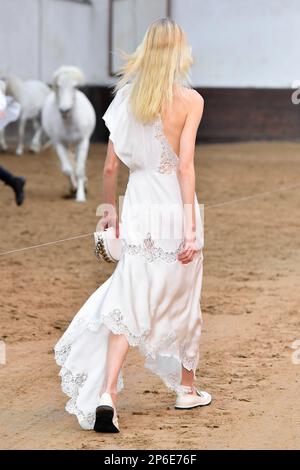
x: 2, y: 108
x: 2, y: 96
x: 69, y: 119
x: 31, y: 94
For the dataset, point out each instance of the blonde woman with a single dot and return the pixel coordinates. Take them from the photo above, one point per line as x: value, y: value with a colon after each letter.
x: 152, y: 298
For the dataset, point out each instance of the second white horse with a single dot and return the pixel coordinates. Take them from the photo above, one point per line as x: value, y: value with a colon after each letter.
x: 31, y: 95
x: 69, y: 119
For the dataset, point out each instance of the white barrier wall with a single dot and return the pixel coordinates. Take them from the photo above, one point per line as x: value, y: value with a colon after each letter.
x: 37, y: 36
x: 236, y: 43
x: 19, y: 44
x: 243, y: 43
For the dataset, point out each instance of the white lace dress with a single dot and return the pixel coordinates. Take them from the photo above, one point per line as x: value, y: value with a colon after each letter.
x: 151, y: 297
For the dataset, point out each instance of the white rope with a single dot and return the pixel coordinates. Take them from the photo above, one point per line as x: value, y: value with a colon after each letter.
x: 210, y: 206
x: 257, y: 195
x: 55, y: 242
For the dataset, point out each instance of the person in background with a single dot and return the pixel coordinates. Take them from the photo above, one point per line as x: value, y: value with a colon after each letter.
x: 9, y: 112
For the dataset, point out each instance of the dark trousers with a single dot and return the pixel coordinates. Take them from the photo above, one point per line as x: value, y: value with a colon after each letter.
x: 6, y: 176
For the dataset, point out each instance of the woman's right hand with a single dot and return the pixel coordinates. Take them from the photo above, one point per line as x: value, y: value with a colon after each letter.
x: 109, y: 220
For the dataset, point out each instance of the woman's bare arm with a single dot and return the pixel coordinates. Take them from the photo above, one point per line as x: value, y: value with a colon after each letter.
x: 186, y: 172
x: 109, y: 188
x: 110, y: 175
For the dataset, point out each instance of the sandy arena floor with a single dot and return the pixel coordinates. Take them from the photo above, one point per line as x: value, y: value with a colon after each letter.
x: 250, y: 303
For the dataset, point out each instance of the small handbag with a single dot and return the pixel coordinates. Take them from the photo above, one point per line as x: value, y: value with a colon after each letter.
x: 107, y: 246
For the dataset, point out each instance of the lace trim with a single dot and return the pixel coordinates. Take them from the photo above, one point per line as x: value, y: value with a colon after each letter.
x: 151, y: 252
x: 115, y: 322
x: 168, y: 160
x: 71, y: 385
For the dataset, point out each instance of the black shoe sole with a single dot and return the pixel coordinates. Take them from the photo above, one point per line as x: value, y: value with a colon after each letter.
x: 192, y: 407
x: 104, y: 420
x: 19, y: 190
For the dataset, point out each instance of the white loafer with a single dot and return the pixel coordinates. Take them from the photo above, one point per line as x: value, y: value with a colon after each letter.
x: 186, y: 401
x: 106, y: 415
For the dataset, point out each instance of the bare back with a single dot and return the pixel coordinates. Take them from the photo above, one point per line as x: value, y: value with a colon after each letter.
x: 189, y: 103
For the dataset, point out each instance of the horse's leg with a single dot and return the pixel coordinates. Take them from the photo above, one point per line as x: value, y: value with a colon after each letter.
x: 3, y: 143
x: 36, y: 140
x: 66, y: 166
x: 22, y: 127
x: 81, y: 156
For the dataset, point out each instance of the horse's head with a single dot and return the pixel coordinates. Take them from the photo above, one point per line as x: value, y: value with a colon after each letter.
x: 65, y: 81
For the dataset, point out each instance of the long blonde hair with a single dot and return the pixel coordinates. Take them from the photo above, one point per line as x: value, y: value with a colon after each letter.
x: 163, y: 59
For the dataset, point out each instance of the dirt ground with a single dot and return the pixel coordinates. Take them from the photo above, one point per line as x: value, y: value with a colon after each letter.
x: 250, y: 305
